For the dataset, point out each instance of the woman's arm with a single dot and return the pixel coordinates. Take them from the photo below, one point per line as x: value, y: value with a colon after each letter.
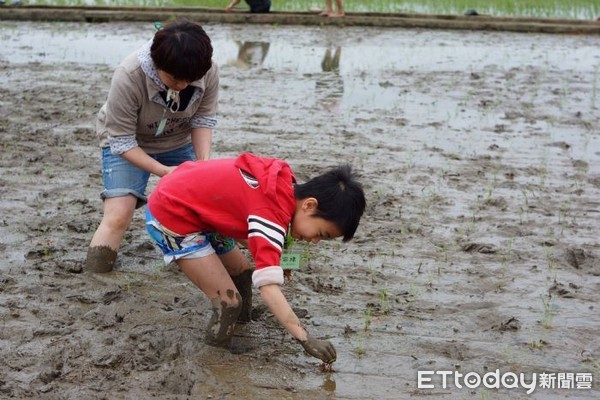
x: 140, y: 159
x: 202, y: 141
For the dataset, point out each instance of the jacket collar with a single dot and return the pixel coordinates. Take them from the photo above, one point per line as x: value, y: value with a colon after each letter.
x: 153, y: 83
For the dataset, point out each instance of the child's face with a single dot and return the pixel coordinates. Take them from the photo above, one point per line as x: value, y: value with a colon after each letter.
x: 310, y: 228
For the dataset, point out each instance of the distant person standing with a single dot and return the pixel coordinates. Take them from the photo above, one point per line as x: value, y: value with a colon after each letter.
x: 329, y: 9
x: 256, y: 6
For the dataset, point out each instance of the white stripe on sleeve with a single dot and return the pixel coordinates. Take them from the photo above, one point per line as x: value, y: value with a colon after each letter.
x: 272, y: 232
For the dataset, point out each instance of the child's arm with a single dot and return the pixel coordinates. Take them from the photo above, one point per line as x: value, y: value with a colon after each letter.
x: 277, y: 303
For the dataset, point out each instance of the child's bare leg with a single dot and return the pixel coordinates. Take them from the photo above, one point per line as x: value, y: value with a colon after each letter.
x: 239, y: 268
x: 209, y: 274
x: 328, y: 8
x: 340, y: 9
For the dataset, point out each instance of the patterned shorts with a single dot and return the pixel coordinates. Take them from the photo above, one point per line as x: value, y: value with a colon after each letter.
x: 192, y: 245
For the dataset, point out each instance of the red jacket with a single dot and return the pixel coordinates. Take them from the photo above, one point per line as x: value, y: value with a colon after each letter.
x: 249, y: 197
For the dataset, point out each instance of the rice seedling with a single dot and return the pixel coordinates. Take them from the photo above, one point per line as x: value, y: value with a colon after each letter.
x: 537, y: 344
x: 505, y: 256
x: 562, y: 216
x: 384, y: 301
x: 493, y: 183
x: 595, y: 88
x: 367, y: 318
x: 360, y: 350
x: 550, y: 259
x: 548, y: 312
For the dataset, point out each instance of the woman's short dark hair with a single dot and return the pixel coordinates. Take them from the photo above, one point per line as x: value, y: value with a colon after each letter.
x: 183, y: 50
x: 340, y: 198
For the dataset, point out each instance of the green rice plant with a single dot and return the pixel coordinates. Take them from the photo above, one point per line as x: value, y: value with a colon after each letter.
x: 127, y: 281
x: 596, y: 369
x: 548, y: 312
x: 156, y: 271
x: 595, y: 88
x: 384, y: 301
x: 537, y: 344
x: 525, y: 200
x: 562, y: 216
x: 48, y: 250
x: 484, y: 394
x: 367, y: 318
x: 543, y: 170
x: 360, y: 348
x: 505, y: 257
x: 550, y: 259
x: 494, y: 183
x: 429, y: 282
x: 443, y: 249
x: 413, y: 292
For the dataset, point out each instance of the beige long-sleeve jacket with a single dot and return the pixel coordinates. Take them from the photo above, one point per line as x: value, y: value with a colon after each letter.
x: 134, y: 108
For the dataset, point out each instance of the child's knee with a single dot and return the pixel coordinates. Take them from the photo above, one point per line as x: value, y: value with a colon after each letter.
x: 230, y: 300
x: 226, y: 307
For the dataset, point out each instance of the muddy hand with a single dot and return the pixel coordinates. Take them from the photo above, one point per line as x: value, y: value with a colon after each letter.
x: 321, y: 349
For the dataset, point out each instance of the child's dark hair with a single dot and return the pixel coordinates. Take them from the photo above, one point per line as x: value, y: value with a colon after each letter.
x: 183, y: 50
x: 341, y: 198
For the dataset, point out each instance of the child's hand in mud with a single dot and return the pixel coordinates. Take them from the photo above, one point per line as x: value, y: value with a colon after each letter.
x: 326, y: 367
x: 321, y: 349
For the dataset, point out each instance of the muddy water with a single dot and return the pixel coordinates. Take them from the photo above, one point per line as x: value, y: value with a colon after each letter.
x: 481, y: 157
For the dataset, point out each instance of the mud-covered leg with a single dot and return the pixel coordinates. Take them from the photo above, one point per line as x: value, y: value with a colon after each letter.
x: 243, y: 283
x: 222, y: 322
x: 100, y: 259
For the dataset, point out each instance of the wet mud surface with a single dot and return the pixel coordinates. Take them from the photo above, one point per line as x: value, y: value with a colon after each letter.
x: 479, y: 249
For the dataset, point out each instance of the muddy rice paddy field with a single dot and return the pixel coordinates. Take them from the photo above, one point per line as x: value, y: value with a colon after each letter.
x: 479, y: 250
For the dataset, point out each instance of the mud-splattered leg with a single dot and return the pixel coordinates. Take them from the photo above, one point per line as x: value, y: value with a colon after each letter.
x: 100, y: 259
x: 222, y: 323
x: 243, y: 283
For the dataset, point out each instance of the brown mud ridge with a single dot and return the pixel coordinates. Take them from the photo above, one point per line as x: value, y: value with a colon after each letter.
x: 204, y: 15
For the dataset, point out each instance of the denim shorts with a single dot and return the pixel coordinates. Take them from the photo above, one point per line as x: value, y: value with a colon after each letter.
x: 192, y: 245
x: 122, y: 178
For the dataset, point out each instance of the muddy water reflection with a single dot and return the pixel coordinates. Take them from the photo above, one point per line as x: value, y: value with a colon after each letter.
x: 310, y: 56
x: 330, y: 85
x: 318, y: 66
x: 251, y: 54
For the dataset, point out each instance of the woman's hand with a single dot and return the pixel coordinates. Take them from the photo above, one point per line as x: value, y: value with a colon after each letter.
x: 142, y: 160
x: 321, y: 349
x: 167, y: 171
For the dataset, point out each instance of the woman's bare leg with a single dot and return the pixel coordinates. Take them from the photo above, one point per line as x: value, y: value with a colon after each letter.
x: 340, y: 9
x: 102, y: 253
x: 328, y: 8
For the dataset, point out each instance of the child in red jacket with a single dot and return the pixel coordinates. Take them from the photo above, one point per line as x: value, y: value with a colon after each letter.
x: 197, y: 212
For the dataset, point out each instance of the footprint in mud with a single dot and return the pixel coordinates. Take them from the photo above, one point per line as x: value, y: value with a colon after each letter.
x: 561, y: 290
x: 499, y: 203
x: 582, y: 259
x: 484, y: 248
x: 81, y: 226
x: 6, y: 283
x: 335, y: 285
x: 449, y: 349
x: 512, y: 324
